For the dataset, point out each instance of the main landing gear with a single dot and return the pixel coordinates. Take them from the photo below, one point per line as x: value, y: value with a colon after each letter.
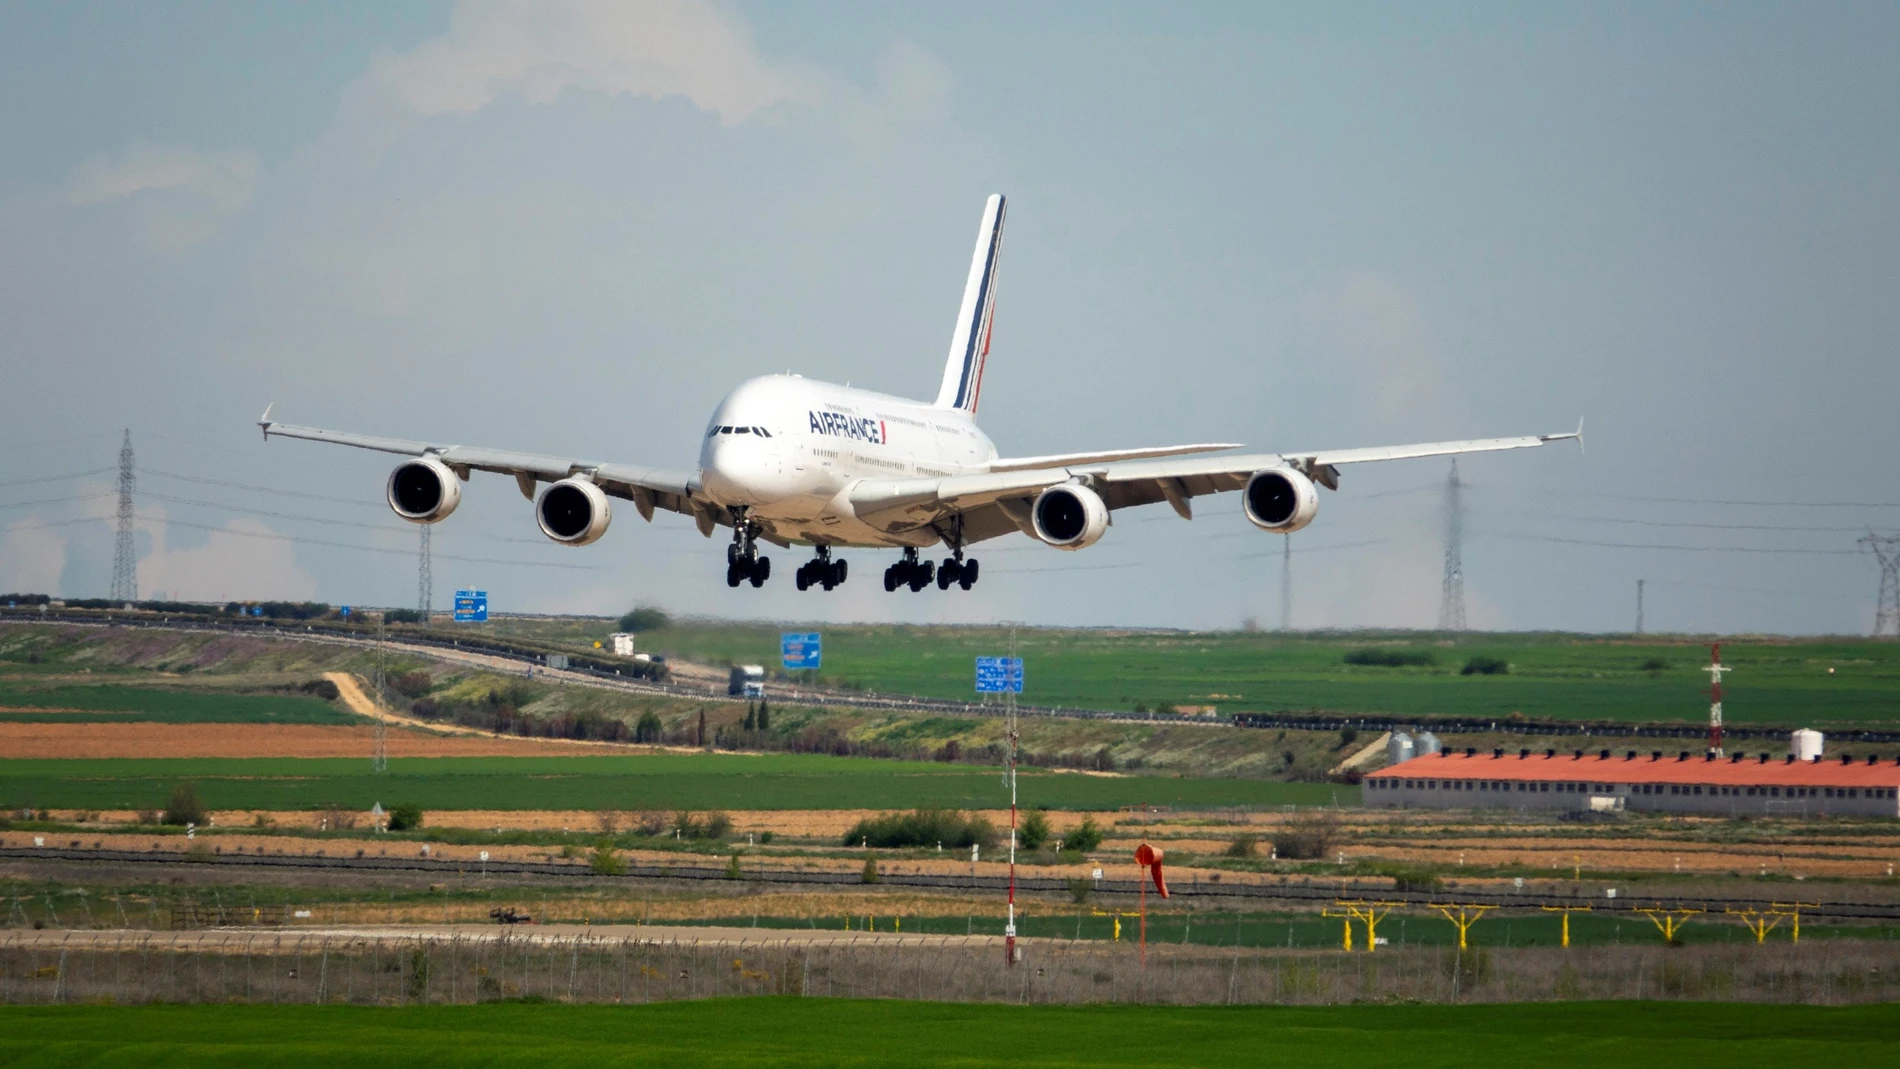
x: 917, y: 574
x: 822, y: 571
x: 743, y: 563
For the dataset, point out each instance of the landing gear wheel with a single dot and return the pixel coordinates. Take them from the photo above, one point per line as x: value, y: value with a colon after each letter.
x: 948, y: 572
x: 804, y: 576
x: 733, y: 574
x: 839, y: 569
x: 891, y: 580
x: 967, y: 579
x: 921, y: 574
x: 761, y: 571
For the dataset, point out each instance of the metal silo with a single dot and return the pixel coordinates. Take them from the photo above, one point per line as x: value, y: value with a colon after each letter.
x: 1399, y: 748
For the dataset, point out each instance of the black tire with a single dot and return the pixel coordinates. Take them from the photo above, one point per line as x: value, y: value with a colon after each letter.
x: 803, y: 578
x: 922, y: 575
x: 968, y: 578
x: 761, y: 570
x: 844, y: 569
x: 732, y: 574
x: 890, y: 578
x: 946, y: 574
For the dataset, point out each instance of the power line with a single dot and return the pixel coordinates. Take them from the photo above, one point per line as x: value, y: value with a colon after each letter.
x: 265, y: 489
x: 1721, y: 501
x: 1669, y: 523
x: 1652, y: 545
x: 57, y: 500
x: 57, y: 478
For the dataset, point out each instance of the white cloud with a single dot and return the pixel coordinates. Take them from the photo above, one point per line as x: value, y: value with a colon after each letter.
x: 223, y: 179
x: 647, y: 48
x: 31, y: 558
x: 240, y: 560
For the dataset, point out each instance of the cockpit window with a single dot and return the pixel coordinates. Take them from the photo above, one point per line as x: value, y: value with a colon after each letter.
x: 742, y: 430
x: 761, y: 432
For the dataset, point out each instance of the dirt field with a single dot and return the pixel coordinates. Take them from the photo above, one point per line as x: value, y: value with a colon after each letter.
x: 144, y: 739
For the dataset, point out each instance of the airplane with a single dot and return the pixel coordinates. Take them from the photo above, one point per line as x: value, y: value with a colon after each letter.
x: 796, y: 462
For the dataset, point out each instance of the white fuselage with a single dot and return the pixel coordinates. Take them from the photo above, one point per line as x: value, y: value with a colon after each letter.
x: 820, y: 439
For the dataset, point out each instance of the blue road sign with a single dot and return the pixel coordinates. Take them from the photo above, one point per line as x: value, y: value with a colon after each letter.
x: 800, y: 649
x: 346, y: 612
x: 471, y: 606
x: 999, y: 675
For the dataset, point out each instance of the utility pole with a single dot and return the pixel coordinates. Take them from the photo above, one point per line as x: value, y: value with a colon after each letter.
x: 125, y: 565
x: 1451, y: 599
x: 1639, y: 606
x: 1886, y: 550
x: 1010, y: 739
x: 424, y: 583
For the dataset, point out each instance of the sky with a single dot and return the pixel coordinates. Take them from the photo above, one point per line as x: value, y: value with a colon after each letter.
x: 571, y: 228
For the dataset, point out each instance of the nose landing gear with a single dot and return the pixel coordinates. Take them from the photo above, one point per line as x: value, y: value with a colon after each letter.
x: 822, y: 571
x: 743, y: 563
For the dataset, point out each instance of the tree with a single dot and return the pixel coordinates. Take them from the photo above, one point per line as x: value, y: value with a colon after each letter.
x: 1086, y: 836
x: 765, y: 716
x: 407, y: 817
x: 648, y: 728
x: 1034, y: 830
x: 751, y: 717
x: 645, y: 618
x: 183, y: 807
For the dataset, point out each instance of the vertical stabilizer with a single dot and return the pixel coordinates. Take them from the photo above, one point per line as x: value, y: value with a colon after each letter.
x: 970, y: 345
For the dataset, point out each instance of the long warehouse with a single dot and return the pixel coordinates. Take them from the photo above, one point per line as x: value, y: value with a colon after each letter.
x: 1734, y: 785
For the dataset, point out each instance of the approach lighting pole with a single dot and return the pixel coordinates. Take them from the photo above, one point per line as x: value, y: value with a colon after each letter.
x: 1639, y: 606
x: 1010, y: 741
x: 1715, y: 669
x: 125, y: 573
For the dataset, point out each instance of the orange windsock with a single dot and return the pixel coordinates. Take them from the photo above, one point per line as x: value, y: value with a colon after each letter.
x: 1149, y: 858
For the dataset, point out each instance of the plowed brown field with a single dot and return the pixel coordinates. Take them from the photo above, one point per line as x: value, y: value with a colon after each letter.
x: 97, y: 740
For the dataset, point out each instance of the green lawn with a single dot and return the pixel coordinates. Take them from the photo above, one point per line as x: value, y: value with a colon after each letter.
x: 121, y: 704
x: 1776, y: 681
x: 643, y: 781
x: 827, y: 1032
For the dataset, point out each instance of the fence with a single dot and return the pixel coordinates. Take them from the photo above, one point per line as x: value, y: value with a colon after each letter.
x: 132, y: 968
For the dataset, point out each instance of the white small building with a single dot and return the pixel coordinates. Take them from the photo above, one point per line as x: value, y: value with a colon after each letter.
x: 1807, y: 744
x: 621, y: 642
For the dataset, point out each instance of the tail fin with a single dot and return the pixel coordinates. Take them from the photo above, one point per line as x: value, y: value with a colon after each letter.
x: 970, y: 345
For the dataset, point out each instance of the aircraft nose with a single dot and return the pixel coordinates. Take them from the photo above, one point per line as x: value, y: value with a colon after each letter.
x: 736, y: 468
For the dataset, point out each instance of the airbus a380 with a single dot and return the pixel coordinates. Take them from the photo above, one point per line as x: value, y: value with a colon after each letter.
x: 796, y: 462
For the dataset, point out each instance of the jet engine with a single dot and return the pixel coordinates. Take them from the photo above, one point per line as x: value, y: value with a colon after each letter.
x: 573, y: 512
x: 423, y: 490
x: 1069, y: 516
x: 1280, y: 500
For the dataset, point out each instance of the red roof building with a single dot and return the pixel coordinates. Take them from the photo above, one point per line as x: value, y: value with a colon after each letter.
x: 1651, y: 782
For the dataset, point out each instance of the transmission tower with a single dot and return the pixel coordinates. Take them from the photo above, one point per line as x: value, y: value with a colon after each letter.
x: 425, y: 593
x: 1451, y: 599
x: 1886, y: 549
x: 125, y: 565
x: 1286, y: 583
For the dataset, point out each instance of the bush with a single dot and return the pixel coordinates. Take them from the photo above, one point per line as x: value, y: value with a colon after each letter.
x: 1079, y: 890
x: 403, y: 616
x: 1484, y: 666
x: 644, y: 619
x: 1242, y: 846
x: 1084, y: 837
x: 1307, y: 838
x: 184, y: 807
x: 1348, y: 736
x: 322, y: 688
x: 1034, y: 830
x: 733, y: 872
x: 922, y: 827
x: 605, y: 861
x: 1381, y: 657
x: 412, y: 684
x: 765, y: 837
x: 1653, y: 666
x: 718, y: 826
x: 1419, y: 880
x: 870, y: 871
x: 406, y: 817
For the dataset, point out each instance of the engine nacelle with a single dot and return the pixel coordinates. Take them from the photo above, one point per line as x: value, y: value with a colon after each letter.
x: 1280, y: 500
x: 423, y: 490
x: 573, y: 512
x: 1069, y: 516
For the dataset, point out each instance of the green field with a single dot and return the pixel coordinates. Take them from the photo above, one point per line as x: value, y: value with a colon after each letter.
x: 836, y: 1032
x: 122, y: 704
x: 642, y: 781
x: 1776, y: 681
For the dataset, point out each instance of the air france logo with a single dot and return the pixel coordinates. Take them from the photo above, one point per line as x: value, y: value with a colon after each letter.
x: 839, y: 425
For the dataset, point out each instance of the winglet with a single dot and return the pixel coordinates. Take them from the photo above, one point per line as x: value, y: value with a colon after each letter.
x: 263, y: 421
x: 1576, y: 434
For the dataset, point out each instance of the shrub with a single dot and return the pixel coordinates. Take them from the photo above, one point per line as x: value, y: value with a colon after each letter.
x: 184, y: 807
x: 718, y: 826
x: 1034, y: 830
x: 322, y: 688
x: 870, y: 871
x: 733, y: 872
x: 403, y: 616
x: 1653, y: 666
x: 405, y: 817
x: 412, y: 684
x: 1085, y: 836
x: 1307, y: 837
x: 605, y: 861
x: 1381, y: 657
x: 922, y: 827
x: 1242, y: 846
x: 1421, y: 880
x: 645, y: 619
x: 1348, y: 736
x: 651, y: 822
x: 1484, y: 666
x: 765, y: 837
x: 1079, y: 890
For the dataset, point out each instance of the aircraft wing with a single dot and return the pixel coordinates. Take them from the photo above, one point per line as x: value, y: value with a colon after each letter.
x: 647, y: 488
x: 998, y: 503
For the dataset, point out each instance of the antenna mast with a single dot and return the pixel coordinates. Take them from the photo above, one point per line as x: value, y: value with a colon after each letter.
x: 1715, y: 669
x: 1451, y: 600
x: 424, y: 582
x: 125, y: 565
